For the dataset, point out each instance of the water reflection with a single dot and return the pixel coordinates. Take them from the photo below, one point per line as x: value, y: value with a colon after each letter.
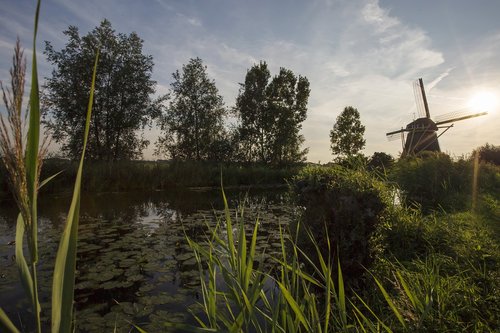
x: 133, y: 261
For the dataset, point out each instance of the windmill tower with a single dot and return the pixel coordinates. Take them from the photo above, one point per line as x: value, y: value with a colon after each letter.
x: 422, y: 133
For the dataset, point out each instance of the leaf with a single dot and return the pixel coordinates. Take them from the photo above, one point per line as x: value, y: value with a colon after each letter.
x: 5, y: 324
x: 390, y: 302
x: 293, y: 304
x: 65, y: 266
x: 31, y: 159
x: 46, y: 180
x: 22, y: 266
x: 341, y: 295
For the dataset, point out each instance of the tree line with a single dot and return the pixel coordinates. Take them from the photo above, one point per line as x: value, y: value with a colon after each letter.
x: 192, y: 116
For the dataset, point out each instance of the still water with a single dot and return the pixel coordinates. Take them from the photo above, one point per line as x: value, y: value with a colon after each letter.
x: 134, y: 264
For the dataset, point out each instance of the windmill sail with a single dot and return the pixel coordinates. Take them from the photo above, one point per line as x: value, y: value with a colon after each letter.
x: 461, y: 114
x: 419, y: 100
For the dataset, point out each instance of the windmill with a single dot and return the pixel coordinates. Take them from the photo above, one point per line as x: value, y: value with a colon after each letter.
x: 421, y: 134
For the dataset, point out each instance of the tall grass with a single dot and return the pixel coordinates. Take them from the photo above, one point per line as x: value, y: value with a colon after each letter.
x: 23, y: 162
x: 246, y: 290
x: 434, y: 273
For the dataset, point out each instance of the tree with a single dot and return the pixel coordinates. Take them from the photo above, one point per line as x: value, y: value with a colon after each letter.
x: 271, y: 115
x: 193, y: 122
x: 122, y: 103
x: 488, y: 153
x: 346, y: 137
x: 380, y: 161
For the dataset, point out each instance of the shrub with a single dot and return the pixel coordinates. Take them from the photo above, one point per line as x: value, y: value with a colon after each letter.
x: 351, y: 204
x: 489, y: 154
x: 433, y: 181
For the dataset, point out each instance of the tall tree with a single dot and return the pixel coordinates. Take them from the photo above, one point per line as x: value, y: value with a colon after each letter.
x: 271, y: 115
x: 346, y: 137
x: 122, y: 102
x: 193, y: 122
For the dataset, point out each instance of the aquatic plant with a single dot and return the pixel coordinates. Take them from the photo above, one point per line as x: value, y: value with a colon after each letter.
x: 240, y: 293
x: 23, y: 162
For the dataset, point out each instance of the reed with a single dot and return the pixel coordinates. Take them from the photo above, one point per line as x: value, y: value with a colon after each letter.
x: 246, y: 290
x: 23, y: 161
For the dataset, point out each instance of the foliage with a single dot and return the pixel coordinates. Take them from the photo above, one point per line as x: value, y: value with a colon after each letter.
x: 193, y: 122
x: 442, y: 270
x: 271, y: 115
x: 122, y: 100
x: 24, y: 176
x: 489, y: 154
x: 354, y: 162
x: 434, y: 181
x: 252, y: 298
x: 122, y: 176
x: 22, y: 160
x: 380, y: 161
x: 346, y: 137
x: 351, y: 204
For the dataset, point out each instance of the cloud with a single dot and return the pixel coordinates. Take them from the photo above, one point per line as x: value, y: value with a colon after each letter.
x: 378, y: 17
x: 190, y: 20
x: 353, y: 52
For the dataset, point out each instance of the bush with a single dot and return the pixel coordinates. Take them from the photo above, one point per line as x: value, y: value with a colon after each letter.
x: 489, y: 154
x: 433, y: 181
x: 351, y: 204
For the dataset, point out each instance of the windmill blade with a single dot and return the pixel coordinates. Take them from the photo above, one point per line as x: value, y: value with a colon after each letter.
x: 461, y: 114
x: 395, y: 132
x: 394, y: 137
x: 419, y: 99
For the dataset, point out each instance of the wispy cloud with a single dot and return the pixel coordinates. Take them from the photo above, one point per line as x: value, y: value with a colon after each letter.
x: 190, y: 20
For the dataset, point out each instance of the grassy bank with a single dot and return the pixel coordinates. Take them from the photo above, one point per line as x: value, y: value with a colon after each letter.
x: 406, y: 269
x: 156, y: 175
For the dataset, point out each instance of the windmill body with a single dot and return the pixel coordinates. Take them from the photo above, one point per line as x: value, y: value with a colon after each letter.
x: 422, y: 133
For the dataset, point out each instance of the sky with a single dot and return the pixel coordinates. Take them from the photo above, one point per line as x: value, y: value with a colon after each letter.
x: 360, y: 53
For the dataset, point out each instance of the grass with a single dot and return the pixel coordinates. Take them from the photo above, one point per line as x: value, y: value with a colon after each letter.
x: 256, y: 297
x: 435, y: 272
x: 157, y: 175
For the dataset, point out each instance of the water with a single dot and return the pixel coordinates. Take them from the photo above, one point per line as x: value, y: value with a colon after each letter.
x: 134, y: 264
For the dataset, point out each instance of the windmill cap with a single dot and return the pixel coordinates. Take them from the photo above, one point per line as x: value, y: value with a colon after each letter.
x: 423, y: 124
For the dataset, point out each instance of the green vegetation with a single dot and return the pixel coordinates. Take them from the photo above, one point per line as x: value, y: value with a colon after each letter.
x: 278, y: 297
x: 192, y: 124
x: 270, y: 115
x: 429, y: 273
x: 162, y: 175
x: 344, y: 207
x: 346, y: 137
x: 433, y: 181
x: 23, y: 164
x: 122, y: 101
x: 488, y: 154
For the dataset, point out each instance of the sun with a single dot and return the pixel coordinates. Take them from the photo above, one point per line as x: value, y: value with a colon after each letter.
x: 483, y: 101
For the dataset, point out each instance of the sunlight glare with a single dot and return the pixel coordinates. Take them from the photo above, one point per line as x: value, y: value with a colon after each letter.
x: 483, y: 101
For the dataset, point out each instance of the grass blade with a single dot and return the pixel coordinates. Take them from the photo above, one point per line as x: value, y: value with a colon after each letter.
x: 65, y: 266
x: 5, y: 324
x: 45, y: 181
x: 293, y: 304
x: 33, y: 138
x: 22, y: 266
x: 390, y: 302
x: 341, y: 295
